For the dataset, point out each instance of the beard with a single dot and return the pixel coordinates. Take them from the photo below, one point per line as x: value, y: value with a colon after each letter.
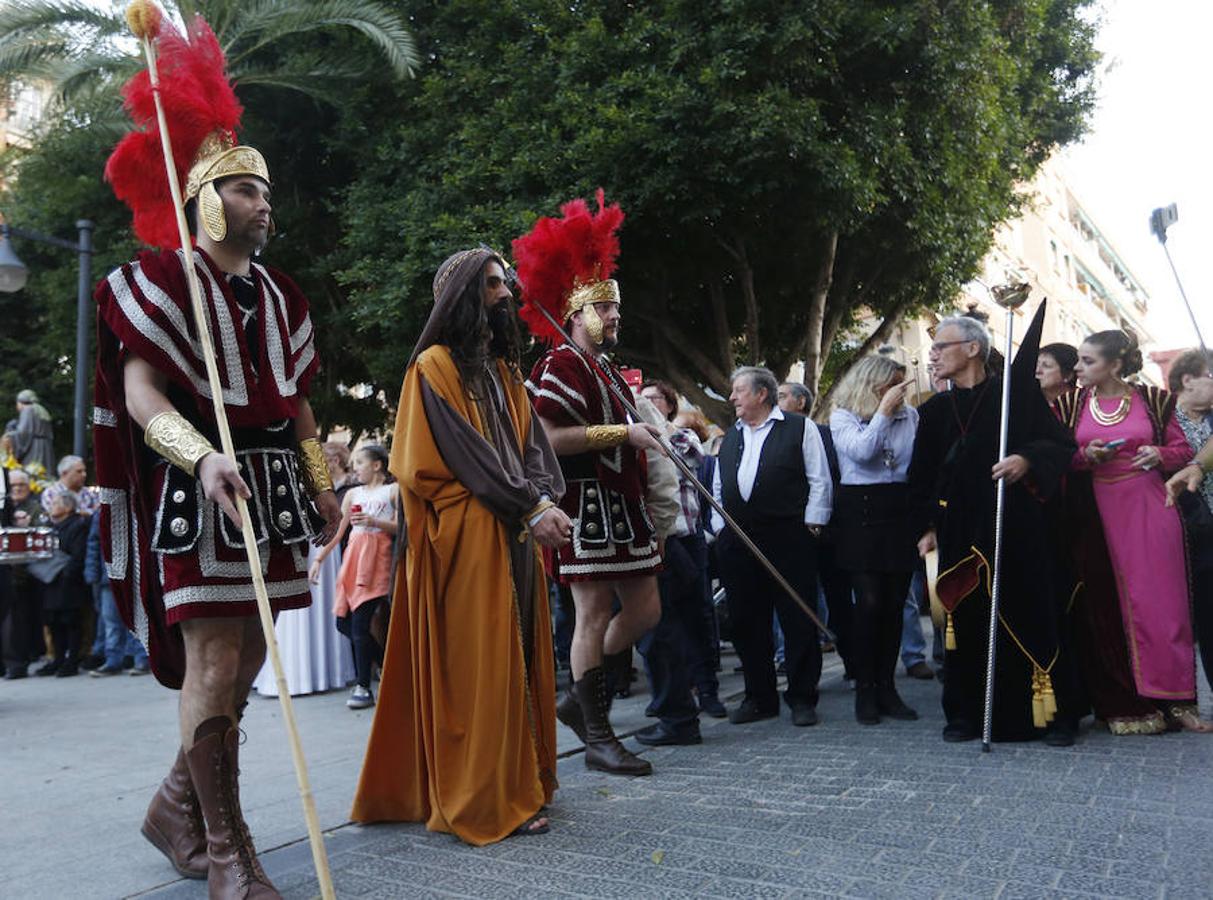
x: 610, y: 339
x: 502, y: 330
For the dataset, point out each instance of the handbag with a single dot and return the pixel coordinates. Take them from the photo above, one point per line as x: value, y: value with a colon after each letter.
x: 47, y: 570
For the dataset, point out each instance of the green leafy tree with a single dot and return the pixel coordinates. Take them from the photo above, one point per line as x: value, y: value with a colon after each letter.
x: 786, y: 167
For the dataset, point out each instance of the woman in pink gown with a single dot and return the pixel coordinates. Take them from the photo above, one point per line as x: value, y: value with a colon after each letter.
x: 1133, y: 613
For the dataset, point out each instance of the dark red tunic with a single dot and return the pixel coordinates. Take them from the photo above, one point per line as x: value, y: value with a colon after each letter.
x: 163, y: 543
x: 613, y: 537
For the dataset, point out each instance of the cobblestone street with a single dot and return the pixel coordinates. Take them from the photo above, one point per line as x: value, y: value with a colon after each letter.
x: 763, y: 810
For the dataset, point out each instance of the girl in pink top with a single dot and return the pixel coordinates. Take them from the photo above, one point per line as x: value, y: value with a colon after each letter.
x: 1133, y: 623
x: 369, y: 512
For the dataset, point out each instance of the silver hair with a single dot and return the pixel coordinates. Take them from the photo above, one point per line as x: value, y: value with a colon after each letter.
x: 971, y: 330
x: 800, y: 392
x: 67, y: 462
x: 69, y: 498
x: 759, y: 379
x: 20, y: 474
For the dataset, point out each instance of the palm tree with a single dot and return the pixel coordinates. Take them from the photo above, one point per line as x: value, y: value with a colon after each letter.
x: 77, y: 48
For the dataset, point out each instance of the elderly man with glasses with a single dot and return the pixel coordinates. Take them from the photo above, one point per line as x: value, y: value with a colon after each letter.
x: 953, y: 476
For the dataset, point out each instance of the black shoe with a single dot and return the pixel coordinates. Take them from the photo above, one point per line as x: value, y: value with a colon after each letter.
x: 710, y: 705
x: 105, y: 671
x: 649, y: 712
x: 748, y: 711
x: 890, y: 704
x: 662, y: 735
x: 48, y: 669
x: 960, y: 731
x: 15, y: 673
x: 1060, y: 733
x: 921, y: 671
x: 804, y: 715
x: 867, y: 712
x: 67, y: 670
x: 92, y: 661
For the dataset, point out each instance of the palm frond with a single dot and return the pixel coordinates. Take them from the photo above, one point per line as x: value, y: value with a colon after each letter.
x: 268, y: 21
x: 92, y: 73
x: 323, y: 84
x: 25, y: 56
x: 29, y: 16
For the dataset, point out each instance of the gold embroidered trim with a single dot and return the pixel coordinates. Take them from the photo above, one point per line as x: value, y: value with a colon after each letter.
x: 1151, y: 724
x: 172, y: 436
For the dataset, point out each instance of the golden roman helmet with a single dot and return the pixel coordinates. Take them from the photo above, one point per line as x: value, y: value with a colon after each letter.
x: 220, y: 157
x: 582, y: 300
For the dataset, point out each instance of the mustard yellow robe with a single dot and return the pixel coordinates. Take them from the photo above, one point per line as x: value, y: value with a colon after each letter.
x: 462, y: 738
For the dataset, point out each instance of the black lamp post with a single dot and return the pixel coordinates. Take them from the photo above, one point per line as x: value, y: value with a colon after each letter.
x: 14, y: 274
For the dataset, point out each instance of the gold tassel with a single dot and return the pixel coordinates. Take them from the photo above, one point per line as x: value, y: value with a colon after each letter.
x: 1049, y: 697
x: 949, y: 635
x: 1038, y: 702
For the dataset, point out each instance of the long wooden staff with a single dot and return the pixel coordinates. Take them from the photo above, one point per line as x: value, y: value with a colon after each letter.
x: 691, y: 477
x: 144, y: 20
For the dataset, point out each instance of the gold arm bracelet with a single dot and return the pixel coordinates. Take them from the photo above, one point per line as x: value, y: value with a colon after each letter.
x: 172, y: 436
x: 313, y: 468
x: 603, y: 437
x: 541, y: 507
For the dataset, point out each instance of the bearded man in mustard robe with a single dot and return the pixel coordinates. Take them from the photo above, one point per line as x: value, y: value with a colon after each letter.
x: 464, y: 736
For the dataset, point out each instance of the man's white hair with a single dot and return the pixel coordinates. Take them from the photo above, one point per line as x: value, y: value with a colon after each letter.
x: 970, y: 330
x: 67, y: 462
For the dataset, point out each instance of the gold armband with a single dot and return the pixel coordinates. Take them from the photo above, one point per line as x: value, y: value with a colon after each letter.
x: 172, y: 436
x: 314, y: 469
x: 541, y: 507
x: 603, y: 437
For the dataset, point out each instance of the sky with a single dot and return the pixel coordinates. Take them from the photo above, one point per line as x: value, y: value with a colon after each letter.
x: 1150, y: 145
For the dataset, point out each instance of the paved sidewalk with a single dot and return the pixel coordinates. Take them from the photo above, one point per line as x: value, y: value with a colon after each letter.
x: 763, y: 810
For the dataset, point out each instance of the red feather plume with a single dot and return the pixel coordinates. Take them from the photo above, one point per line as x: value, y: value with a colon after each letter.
x: 198, y: 101
x: 559, y: 255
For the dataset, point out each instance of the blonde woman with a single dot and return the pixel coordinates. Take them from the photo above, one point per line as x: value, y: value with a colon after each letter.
x: 873, y: 431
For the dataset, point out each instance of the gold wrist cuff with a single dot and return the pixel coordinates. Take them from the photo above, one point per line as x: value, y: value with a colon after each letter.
x: 541, y: 507
x: 603, y: 437
x: 314, y: 469
x: 172, y: 436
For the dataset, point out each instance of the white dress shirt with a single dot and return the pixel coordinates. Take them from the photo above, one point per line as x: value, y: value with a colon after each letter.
x: 816, y: 469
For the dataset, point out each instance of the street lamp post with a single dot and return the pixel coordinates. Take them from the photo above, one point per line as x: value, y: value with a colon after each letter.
x: 14, y: 274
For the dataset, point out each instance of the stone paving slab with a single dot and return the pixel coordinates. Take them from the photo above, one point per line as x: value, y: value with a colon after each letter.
x: 763, y: 810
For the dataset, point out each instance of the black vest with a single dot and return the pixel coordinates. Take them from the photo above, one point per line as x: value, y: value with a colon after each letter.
x: 781, y: 488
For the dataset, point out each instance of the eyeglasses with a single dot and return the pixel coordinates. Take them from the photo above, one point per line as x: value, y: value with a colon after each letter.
x: 940, y: 345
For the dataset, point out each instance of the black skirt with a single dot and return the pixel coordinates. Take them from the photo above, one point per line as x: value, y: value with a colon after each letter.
x: 872, y: 525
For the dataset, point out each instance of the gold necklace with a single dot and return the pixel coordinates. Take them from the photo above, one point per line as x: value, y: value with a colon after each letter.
x: 1113, y: 418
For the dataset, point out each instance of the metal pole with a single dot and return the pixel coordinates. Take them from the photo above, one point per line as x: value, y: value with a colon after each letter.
x: 1184, y: 296
x: 83, y: 314
x: 1004, y: 428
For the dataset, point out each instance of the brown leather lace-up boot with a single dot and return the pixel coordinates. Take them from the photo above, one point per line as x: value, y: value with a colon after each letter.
x: 235, y: 873
x: 602, y: 749
x: 568, y: 711
x: 174, y: 825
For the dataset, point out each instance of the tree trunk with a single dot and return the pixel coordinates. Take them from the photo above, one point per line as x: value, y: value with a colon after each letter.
x: 814, y: 356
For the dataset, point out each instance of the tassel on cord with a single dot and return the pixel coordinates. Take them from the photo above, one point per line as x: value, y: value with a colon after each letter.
x: 1050, y: 699
x: 949, y: 635
x: 1038, y: 700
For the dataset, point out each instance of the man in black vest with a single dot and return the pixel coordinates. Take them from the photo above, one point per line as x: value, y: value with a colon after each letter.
x: 772, y: 477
